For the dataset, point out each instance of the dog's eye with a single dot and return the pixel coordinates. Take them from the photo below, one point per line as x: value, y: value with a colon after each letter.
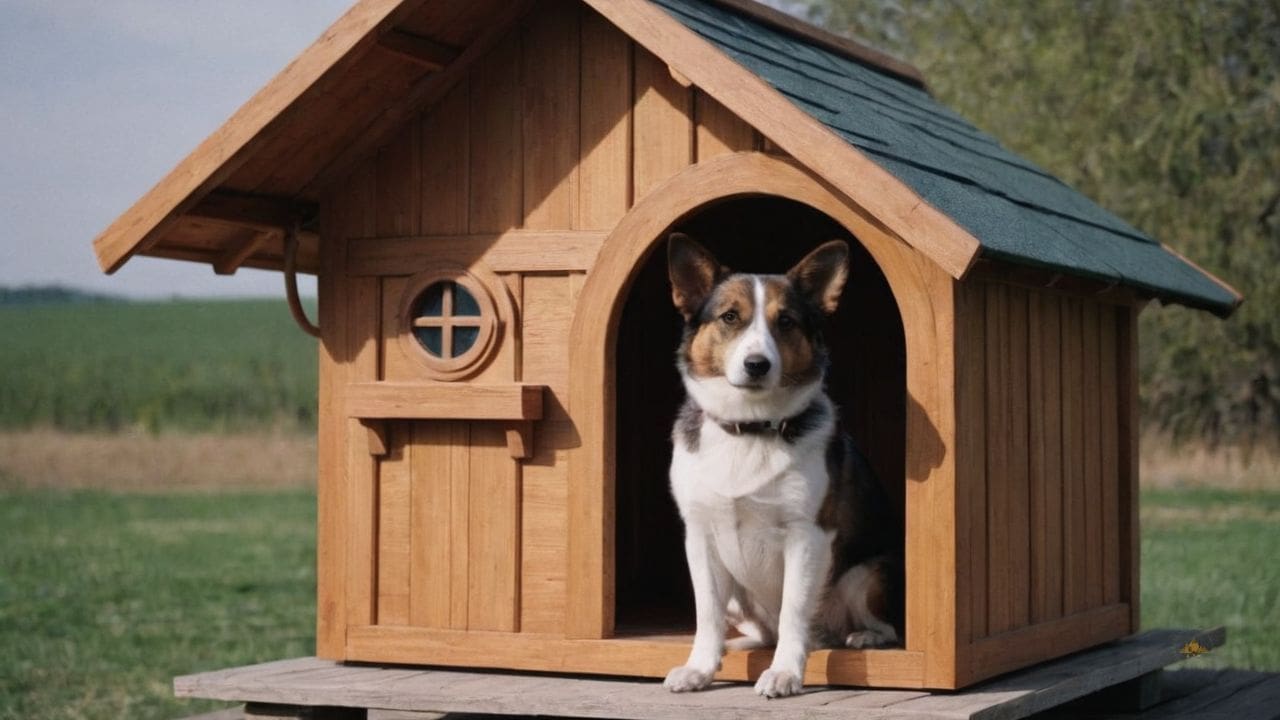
x: 729, y: 317
x: 786, y: 322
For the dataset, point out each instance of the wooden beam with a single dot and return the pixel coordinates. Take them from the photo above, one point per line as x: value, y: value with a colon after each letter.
x: 236, y: 255
x: 425, y: 92
x: 416, y: 401
x: 377, y: 434
x: 261, y: 212
x: 426, y: 52
x: 519, y: 251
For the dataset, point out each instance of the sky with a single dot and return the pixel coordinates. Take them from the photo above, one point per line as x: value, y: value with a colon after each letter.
x: 100, y: 98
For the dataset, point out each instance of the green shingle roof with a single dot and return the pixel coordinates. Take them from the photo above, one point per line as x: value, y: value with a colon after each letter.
x: 1017, y: 211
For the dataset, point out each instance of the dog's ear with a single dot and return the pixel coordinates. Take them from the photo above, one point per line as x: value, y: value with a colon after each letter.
x: 821, y: 275
x: 694, y: 272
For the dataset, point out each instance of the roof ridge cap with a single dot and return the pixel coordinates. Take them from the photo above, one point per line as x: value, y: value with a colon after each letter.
x: 839, y: 44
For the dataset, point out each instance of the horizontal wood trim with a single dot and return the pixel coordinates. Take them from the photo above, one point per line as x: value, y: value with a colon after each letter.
x: 514, y: 251
x: 412, y: 401
x: 634, y: 656
x: 426, y: 52
x: 1025, y: 646
x: 1051, y: 281
x: 260, y: 212
x: 308, y: 264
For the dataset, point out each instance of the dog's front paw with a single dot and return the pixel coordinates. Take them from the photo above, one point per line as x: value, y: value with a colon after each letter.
x: 778, y: 683
x: 686, y: 678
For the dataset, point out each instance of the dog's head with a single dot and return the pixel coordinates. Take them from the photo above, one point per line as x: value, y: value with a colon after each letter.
x: 753, y: 341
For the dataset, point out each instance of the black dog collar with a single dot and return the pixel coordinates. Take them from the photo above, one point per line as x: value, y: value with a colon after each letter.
x: 789, y: 429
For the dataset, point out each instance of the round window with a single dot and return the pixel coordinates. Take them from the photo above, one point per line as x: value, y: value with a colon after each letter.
x: 450, y: 322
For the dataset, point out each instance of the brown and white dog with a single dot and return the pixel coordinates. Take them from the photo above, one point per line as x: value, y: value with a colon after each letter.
x: 788, y: 536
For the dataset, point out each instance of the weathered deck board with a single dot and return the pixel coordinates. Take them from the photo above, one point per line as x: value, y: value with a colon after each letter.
x: 310, y: 681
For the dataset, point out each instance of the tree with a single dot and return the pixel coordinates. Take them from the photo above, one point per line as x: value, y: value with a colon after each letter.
x: 1166, y: 113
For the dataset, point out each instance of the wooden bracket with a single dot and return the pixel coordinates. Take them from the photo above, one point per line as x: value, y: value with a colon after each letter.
x: 426, y: 52
x: 377, y: 436
x: 291, y: 283
x: 520, y: 440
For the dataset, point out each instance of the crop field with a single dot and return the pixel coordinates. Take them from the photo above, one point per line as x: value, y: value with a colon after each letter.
x: 178, y: 365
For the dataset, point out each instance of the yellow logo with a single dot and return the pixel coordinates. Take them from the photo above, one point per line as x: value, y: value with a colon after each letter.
x: 1194, y: 648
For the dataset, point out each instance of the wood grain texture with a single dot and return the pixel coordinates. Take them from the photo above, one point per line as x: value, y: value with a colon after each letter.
x: 441, y: 401
x: 1109, y: 451
x: 460, y: 525
x: 718, y: 130
x: 1127, y: 392
x: 544, y: 528
x: 361, y: 501
x: 493, y: 589
x: 1074, y: 542
x: 662, y: 124
x: 550, y: 92
x: 999, y: 471
x: 514, y: 251
x: 1090, y: 391
x: 431, y: 530
x: 446, y: 164
x: 496, y: 140
x: 395, y: 521
x: 1018, y: 499
x: 1044, y: 378
x: 604, y: 166
x: 971, y: 458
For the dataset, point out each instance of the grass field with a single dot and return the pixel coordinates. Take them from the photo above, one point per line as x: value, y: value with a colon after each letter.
x: 176, y: 365
x: 105, y: 597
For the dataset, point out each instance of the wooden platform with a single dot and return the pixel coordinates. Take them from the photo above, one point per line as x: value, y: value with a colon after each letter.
x: 393, y: 691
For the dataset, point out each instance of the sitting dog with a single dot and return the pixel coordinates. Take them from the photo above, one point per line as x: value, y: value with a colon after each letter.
x: 789, y: 537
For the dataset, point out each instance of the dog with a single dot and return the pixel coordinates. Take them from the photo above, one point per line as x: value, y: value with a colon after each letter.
x: 788, y: 535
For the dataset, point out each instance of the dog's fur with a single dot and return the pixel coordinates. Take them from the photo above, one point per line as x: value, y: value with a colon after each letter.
x: 788, y: 536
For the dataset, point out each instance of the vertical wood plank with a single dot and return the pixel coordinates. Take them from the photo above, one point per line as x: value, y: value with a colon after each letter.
x: 604, y: 185
x: 547, y: 320
x: 544, y: 527
x: 1127, y: 394
x: 971, y: 461
x: 1109, y: 424
x: 399, y: 183
x: 1073, y: 498
x: 719, y: 131
x: 331, y: 528
x: 362, y: 503
x: 1090, y: 390
x: 999, y: 431
x: 550, y: 91
x: 1018, y: 503
x: 394, y: 523
x: 1044, y: 370
x: 494, y: 527
x: 431, y: 529
x: 662, y: 142
x: 971, y: 426
x: 459, y: 524
x: 495, y: 134
x: 445, y: 164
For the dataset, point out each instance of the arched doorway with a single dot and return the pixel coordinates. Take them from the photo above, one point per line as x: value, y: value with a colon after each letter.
x: 867, y: 380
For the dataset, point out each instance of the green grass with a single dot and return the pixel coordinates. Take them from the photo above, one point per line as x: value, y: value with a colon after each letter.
x: 209, y: 365
x: 105, y: 597
x: 1212, y: 557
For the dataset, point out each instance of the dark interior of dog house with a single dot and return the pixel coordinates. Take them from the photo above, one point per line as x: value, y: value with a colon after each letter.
x: 866, y: 379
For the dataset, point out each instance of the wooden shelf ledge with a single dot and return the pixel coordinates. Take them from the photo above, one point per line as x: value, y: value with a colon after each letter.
x: 417, y: 401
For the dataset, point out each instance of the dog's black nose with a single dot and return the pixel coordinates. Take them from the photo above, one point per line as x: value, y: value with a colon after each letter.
x: 757, y: 365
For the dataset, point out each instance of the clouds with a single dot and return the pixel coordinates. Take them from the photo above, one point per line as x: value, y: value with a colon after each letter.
x: 99, y: 99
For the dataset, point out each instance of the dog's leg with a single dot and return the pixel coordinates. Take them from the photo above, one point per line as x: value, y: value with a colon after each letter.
x: 806, y: 561
x: 711, y: 586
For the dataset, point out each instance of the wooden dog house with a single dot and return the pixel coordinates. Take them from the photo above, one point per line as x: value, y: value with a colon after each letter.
x: 480, y: 187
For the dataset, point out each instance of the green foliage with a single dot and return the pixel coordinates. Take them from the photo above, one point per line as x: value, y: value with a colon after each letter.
x: 185, y: 365
x: 105, y: 598
x: 1166, y: 113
